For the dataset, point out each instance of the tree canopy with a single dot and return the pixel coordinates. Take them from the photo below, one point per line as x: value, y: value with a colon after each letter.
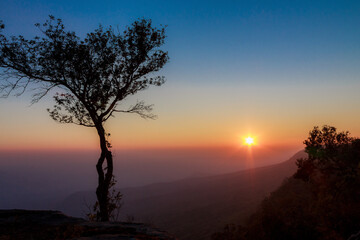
x: 94, y: 73
x: 333, y: 158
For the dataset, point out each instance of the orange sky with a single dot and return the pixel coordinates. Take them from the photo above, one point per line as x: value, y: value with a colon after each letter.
x: 190, y: 116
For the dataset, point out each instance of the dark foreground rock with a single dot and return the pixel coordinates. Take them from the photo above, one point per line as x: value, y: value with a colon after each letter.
x: 39, y: 225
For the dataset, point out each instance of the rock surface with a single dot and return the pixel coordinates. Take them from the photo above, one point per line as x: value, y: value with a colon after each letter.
x: 33, y: 224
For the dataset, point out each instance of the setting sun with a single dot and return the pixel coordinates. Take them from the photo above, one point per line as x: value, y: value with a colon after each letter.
x: 249, y: 141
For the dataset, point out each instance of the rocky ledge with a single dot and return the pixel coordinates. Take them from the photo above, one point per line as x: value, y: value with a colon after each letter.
x: 33, y: 224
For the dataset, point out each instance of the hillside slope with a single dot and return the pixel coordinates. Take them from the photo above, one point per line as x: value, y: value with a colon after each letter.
x: 195, y: 208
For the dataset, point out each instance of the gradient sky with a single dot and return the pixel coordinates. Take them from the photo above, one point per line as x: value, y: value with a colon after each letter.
x: 272, y: 69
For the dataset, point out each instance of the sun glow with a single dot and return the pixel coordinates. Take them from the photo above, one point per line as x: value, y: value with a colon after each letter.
x: 249, y: 141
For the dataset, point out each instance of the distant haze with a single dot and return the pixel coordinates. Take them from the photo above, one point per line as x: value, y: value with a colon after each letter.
x: 38, y: 179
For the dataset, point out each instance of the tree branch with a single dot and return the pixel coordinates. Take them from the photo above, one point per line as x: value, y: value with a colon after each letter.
x: 141, y: 109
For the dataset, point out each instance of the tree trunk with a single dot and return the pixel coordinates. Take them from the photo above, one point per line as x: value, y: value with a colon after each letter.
x: 105, y: 175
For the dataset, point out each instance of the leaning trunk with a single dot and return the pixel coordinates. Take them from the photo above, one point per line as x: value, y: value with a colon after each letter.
x: 105, y: 175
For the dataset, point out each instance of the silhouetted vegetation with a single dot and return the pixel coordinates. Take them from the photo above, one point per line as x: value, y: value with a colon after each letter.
x: 321, y: 200
x: 92, y: 76
x: 114, y: 205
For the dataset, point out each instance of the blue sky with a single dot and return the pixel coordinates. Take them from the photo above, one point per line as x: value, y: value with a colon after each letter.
x: 290, y: 40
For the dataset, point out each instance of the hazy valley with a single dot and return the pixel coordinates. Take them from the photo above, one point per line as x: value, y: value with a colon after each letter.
x: 186, y: 201
x: 195, y: 208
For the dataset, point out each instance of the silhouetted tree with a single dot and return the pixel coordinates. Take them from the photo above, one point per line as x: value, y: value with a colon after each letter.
x: 333, y: 159
x: 92, y: 75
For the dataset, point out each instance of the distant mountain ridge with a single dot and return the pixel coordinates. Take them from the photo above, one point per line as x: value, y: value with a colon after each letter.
x: 195, y: 208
